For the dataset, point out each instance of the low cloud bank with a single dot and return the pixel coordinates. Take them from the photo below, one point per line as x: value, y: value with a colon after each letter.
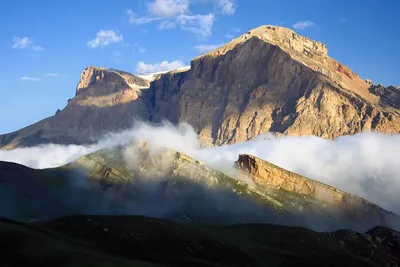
x: 364, y: 164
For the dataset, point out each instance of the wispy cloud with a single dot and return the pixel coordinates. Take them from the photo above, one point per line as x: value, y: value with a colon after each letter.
x: 134, y: 19
x: 143, y: 68
x: 343, y: 20
x: 207, y: 48
x: 32, y: 79
x: 54, y: 75
x: 168, y: 8
x: 232, y: 33
x: 364, y: 164
x: 26, y: 43
x: 167, y: 24
x: 139, y: 48
x: 197, y: 24
x: 302, y: 25
x: 176, y: 14
x: 226, y: 7
x: 104, y: 38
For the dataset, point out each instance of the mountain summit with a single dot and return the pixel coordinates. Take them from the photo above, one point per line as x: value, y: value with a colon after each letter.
x: 267, y: 80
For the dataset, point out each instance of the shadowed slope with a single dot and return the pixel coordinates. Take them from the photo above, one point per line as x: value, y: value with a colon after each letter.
x: 136, y: 179
x: 141, y: 241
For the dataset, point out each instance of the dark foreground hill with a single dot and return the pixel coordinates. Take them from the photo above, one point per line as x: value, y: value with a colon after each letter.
x: 142, y: 241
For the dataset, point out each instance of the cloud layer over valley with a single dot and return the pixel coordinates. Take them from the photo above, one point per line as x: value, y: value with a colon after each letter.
x: 364, y: 164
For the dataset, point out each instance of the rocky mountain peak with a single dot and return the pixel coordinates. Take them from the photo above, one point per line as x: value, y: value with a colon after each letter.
x: 92, y: 75
x: 267, y: 80
x: 287, y: 39
x: 89, y: 76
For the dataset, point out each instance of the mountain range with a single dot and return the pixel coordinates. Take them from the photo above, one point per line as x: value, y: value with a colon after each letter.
x: 198, y: 216
x: 146, y: 205
x: 267, y: 80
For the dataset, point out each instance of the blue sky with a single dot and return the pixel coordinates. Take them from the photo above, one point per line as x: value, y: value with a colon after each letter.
x: 45, y: 44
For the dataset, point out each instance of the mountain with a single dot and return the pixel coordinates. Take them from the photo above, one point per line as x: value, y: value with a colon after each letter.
x: 102, y: 95
x: 271, y: 79
x: 137, y: 180
x: 267, y: 80
x: 330, y: 200
x: 142, y: 241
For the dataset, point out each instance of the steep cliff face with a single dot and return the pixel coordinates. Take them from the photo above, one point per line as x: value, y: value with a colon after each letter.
x: 389, y: 96
x: 267, y: 80
x: 270, y: 79
x: 106, y: 101
x: 266, y: 174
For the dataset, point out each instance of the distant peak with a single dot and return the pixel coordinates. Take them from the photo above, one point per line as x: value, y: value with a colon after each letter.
x: 287, y: 38
x: 89, y: 76
x: 93, y: 74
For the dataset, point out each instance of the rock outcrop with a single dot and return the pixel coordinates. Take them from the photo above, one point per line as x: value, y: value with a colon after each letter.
x: 267, y: 80
x: 389, y: 96
x: 269, y: 175
x: 270, y: 80
x: 106, y: 101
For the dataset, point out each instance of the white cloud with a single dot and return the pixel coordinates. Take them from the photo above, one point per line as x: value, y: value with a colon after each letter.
x: 236, y: 30
x: 226, y: 7
x: 197, y: 24
x: 207, y: 48
x: 53, y: 74
x: 176, y: 13
x: 26, y: 43
x: 302, y: 25
x: 167, y: 24
x: 140, y: 49
x: 104, y: 38
x: 232, y: 32
x: 134, y: 19
x: 168, y: 8
x: 21, y: 43
x: 37, y: 48
x: 143, y: 68
x: 229, y: 36
x: 364, y: 164
x: 32, y: 79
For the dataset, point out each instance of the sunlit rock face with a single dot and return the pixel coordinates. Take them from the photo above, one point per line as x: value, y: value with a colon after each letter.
x: 267, y: 80
x: 106, y: 101
x: 333, y: 201
x: 270, y: 80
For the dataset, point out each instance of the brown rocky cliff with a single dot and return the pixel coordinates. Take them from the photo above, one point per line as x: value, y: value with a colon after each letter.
x: 106, y: 101
x: 270, y: 80
x: 267, y: 80
x: 266, y: 174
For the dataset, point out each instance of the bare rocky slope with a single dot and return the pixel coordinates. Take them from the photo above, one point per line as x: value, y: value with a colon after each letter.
x: 106, y: 100
x: 267, y: 80
x: 330, y: 199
